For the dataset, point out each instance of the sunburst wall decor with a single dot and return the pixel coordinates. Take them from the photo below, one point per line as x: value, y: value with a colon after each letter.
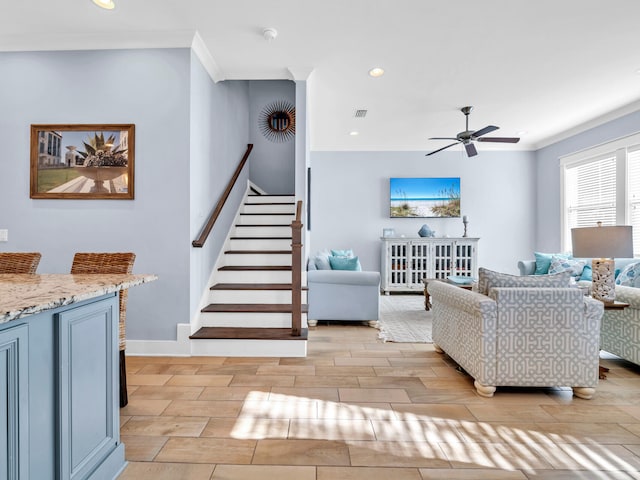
x: 277, y: 121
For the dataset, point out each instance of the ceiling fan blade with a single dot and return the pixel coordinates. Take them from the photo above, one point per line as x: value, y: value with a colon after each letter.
x: 484, y: 131
x: 443, y: 138
x: 440, y: 149
x: 471, y: 149
x: 499, y: 139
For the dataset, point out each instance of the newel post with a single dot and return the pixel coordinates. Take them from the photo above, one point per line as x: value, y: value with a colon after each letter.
x: 296, y: 273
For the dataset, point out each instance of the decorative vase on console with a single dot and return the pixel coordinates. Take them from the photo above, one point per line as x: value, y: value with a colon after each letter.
x: 425, y: 231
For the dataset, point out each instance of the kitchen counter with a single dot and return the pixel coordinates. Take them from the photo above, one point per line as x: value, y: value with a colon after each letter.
x: 22, y: 295
x: 59, y: 369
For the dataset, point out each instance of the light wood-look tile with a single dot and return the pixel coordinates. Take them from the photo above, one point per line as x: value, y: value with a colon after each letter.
x: 357, y: 408
x: 397, y: 454
x: 204, y: 408
x: 365, y: 473
x: 142, y: 448
x: 254, y: 472
x: 207, y: 450
x: 166, y: 471
x: 301, y: 452
x: 165, y: 426
x: 200, y: 380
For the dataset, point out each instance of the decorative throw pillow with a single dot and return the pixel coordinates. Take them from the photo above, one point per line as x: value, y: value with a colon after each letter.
x: 342, y: 253
x: 488, y: 279
x: 321, y: 260
x: 629, y: 276
x: 345, y: 263
x: 587, y: 273
x: 571, y: 265
x: 543, y: 261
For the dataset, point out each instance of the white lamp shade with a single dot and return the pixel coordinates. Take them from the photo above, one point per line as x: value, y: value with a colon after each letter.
x: 602, y: 242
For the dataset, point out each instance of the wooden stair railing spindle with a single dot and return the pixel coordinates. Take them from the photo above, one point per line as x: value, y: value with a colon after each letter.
x: 206, y: 230
x: 296, y: 273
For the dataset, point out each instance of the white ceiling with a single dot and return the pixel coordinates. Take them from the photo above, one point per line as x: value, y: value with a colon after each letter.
x: 547, y: 67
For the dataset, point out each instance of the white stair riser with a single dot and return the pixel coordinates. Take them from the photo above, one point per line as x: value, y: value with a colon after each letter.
x: 249, y: 320
x: 237, y: 259
x: 260, y: 244
x: 266, y: 231
x: 268, y: 209
x: 249, y: 348
x: 267, y: 220
x: 270, y: 199
x: 253, y: 296
x: 256, y: 276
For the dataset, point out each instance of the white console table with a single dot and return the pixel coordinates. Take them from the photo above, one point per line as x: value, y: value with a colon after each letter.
x: 406, y: 262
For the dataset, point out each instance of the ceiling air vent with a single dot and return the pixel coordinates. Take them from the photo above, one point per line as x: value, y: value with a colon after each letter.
x: 360, y: 113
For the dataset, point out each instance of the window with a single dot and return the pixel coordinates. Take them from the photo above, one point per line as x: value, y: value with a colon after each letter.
x: 602, y: 184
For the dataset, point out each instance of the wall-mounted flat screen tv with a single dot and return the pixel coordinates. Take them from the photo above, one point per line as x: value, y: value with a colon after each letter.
x: 424, y: 197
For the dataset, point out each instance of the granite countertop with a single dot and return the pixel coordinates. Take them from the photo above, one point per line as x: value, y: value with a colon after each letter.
x: 22, y: 295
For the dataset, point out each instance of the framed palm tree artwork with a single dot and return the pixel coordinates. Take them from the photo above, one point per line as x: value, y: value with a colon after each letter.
x: 82, y: 161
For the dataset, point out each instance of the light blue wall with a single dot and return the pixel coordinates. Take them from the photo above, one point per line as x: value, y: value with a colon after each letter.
x: 548, y: 226
x: 219, y: 137
x: 272, y: 163
x: 350, y: 202
x: 156, y: 90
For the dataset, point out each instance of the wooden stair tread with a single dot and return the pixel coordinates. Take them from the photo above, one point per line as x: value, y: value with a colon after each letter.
x: 283, y: 225
x: 260, y: 238
x: 252, y: 286
x: 289, y: 214
x: 254, y: 268
x: 259, y: 252
x: 251, y: 308
x: 235, y: 333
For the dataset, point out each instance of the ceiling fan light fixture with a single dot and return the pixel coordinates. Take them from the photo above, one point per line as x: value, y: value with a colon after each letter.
x: 106, y: 4
x: 376, y: 72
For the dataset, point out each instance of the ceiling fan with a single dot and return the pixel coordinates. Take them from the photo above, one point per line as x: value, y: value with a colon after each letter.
x: 468, y: 137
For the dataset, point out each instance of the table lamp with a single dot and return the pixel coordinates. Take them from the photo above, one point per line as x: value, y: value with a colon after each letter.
x: 602, y: 244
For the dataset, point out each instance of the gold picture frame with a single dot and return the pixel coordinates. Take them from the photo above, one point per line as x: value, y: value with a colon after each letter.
x: 88, y: 161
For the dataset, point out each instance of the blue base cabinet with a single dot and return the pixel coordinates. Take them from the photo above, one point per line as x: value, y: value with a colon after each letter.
x: 68, y: 426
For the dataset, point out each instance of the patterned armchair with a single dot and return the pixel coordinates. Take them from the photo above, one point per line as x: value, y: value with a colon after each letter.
x: 537, y: 335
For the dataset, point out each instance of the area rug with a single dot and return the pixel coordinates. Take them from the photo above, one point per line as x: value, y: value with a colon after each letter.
x: 403, y: 319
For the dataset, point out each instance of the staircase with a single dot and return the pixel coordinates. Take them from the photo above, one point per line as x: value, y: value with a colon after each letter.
x: 251, y: 305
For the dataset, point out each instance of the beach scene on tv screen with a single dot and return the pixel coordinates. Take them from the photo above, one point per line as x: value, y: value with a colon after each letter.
x: 424, y: 197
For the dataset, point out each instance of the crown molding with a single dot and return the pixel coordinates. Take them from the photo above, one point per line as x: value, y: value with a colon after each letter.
x: 210, y: 65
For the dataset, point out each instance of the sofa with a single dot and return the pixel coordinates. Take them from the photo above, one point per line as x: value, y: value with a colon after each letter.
x: 519, y: 332
x: 620, y: 330
x: 342, y: 295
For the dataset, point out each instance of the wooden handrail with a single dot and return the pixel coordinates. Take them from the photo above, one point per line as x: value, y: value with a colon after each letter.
x: 199, y: 242
x: 296, y: 273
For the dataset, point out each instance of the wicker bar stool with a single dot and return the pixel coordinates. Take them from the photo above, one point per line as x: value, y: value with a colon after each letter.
x: 19, y: 262
x: 108, y: 263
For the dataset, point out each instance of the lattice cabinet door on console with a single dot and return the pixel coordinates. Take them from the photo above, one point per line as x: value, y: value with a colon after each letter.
x: 405, y: 262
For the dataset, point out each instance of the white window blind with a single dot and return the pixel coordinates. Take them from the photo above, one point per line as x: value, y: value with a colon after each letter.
x: 590, y: 192
x: 633, y: 189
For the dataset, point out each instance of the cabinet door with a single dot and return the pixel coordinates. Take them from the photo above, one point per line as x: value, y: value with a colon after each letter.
x: 88, y: 348
x: 421, y: 260
x: 14, y: 400
x: 398, y: 270
x: 443, y: 256
x: 465, y: 258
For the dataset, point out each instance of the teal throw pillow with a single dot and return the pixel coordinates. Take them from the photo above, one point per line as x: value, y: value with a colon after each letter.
x: 587, y: 273
x: 571, y: 265
x: 630, y: 276
x: 342, y: 253
x: 345, y: 263
x: 543, y: 261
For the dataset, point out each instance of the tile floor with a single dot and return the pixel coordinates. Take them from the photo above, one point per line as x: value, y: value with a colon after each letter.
x: 357, y: 408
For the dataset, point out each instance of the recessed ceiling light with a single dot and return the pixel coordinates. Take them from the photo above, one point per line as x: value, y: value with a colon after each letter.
x: 354, y: 133
x: 106, y: 4
x: 376, y: 72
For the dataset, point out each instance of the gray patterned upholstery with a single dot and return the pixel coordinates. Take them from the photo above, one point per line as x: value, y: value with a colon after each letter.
x: 519, y: 336
x: 488, y: 279
x: 620, y: 333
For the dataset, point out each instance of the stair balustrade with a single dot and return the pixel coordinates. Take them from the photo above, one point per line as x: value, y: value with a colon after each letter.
x: 296, y: 272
